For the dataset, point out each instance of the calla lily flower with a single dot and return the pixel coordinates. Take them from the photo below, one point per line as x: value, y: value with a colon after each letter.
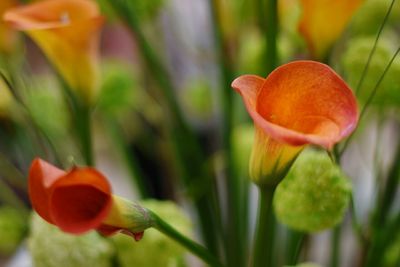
x: 68, y: 33
x: 299, y: 103
x: 8, y: 36
x: 323, y: 21
x: 80, y: 200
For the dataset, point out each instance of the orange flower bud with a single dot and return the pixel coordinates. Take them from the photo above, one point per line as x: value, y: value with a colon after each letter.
x: 80, y: 200
x: 299, y: 103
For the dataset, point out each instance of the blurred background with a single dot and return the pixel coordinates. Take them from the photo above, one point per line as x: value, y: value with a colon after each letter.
x: 202, y: 46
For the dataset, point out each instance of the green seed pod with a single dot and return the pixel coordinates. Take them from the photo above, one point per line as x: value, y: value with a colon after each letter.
x: 370, y: 16
x: 314, y: 195
x: 354, y: 59
x: 50, y: 247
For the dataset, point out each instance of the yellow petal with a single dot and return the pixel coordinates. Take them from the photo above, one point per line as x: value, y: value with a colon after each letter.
x: 323, y: 21
x: 8, y: 36
x: 270, y: 159
x: 68, y: 33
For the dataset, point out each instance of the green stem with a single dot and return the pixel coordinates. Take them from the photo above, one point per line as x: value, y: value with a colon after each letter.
x: 188, y: 152
x: 389, y: 193
x: 382, y: 239
x: 371, y: 53
x: 235, y: 235
x: 335, y: 246
x: 370, y: 98
x: 295, y: 243
x: 83, y: 124
x: 129, y: 158
x: 268, y: 22
x: 189, y: 244
x: 81, y: 112
x: 264, y: 234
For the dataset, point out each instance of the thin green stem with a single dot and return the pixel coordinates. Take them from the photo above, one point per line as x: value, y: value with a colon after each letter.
x: 264, y: 234
x: 235, y: 236
x: 370, y: 98
x: 335, y: 246
x: 189, y: 244
x: 134, y: 169
x: 371, y: 53
x: 268, y: 23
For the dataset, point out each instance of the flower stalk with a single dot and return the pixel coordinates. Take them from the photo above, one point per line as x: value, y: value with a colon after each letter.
x: 190, y: 245
x: 265, y: 229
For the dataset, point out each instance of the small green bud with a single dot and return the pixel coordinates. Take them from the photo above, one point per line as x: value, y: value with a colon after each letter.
x: 155, y: 249
x: 50, y: 247
x: 12, y: 230
x: 314, y: 195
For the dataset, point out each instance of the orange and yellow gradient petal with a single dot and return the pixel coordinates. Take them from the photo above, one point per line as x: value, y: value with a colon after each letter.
x: 323, y: 21
x: 299, y: 103
x: 68, y: 32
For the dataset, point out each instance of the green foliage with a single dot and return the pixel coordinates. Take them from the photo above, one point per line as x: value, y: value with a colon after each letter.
x: 47, y: 108
x: 305, y: 264
x: 145, y: 9
x: 250, y: 57
x: 392, y: 253
x: 197, y: 99
x: 118, y: 90
x: 368, y: 19
x: 155, y: 249
x: 242, y: 140
x: 314, y: 195
x: 12, y: 230
x: 49, y: 247
x: 354, y: 60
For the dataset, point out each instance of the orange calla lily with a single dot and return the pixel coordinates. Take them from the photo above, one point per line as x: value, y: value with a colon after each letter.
x: 299, y: 103
x: 323, y: 21
x: 80, y: 200
x: 8, y: 36
x: 68, y: 33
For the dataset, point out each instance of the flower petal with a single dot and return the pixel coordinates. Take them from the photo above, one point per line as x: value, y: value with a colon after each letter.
x: 302, y: 102
x: 323, y: 21
x: 80, y: 200
x: 42, y: 176
x: 68, y: 32
x: 50, y: 14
